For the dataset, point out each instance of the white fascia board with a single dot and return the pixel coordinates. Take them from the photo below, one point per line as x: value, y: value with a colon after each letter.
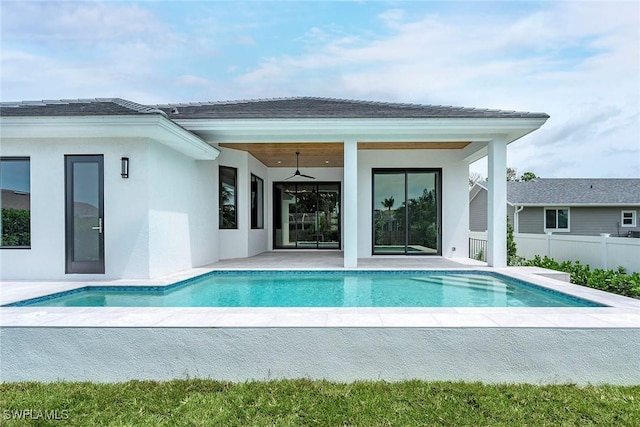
x: 152, y: 126
x: 364, y: 130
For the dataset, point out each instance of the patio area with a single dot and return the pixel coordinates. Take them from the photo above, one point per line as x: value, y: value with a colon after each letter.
x: 333, y: 260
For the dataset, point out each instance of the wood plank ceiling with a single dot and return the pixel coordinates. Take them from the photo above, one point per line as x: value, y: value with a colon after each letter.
x: 325, y: 154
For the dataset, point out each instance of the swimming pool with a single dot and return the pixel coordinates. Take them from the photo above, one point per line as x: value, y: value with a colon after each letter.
x: 322, y: 289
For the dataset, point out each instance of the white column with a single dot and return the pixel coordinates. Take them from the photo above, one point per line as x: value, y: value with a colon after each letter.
x: 497, y: 204
x: 350, y: 207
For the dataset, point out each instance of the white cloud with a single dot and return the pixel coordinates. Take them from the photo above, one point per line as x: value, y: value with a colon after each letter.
x: 79, y: 22
x: 576, y: 61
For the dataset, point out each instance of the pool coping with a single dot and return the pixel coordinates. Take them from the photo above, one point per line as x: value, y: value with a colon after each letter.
x: 621, y: 312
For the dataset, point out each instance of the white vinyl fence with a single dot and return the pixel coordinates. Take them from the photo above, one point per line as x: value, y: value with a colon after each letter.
x: 598, y: 251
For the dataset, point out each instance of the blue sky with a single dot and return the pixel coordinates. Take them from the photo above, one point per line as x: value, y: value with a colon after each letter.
x: 577, y: 61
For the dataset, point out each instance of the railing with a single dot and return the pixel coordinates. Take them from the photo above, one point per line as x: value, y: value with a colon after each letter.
x: 478, y: 249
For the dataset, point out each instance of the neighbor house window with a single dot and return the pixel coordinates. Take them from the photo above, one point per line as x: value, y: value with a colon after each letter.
x: 15, y: 183
x: 556, y: 219
x: 257, y: 202
x: 228, y: 211
x: 629, y: 219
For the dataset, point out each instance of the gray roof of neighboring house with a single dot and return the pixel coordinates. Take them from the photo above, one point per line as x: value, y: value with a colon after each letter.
x: 574, y: 191
x: 76, y: 107
x: 281, y: 108
x: 10, y: 199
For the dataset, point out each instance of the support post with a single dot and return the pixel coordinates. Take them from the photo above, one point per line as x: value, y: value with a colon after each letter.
x: 350, y: 208
x: 497, y: 204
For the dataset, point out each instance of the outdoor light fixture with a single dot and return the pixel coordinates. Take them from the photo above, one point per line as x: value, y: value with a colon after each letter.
x: 124, y: 171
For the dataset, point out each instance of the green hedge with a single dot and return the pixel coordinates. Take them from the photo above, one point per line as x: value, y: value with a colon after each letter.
x: 614, y: 281
x: 16, y: 227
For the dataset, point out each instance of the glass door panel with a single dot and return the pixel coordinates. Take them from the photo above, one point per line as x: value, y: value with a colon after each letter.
x: 306, y: 218
x: 328, y: 211
x: 388, y: 213
x: 422, y: 214
x: 84, y: 214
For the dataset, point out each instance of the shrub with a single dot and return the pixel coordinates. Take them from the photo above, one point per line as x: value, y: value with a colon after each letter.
x: 614, y: 281
x: 16, y: 224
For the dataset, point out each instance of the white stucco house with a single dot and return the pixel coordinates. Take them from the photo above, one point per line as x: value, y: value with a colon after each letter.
x: 109, y: 189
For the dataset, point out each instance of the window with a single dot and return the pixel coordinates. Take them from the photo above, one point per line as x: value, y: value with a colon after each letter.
x: 15, y: 184
x: 257, y: 202
x: 629, y: 219
x: 556, y: 219
x: 228, y: 211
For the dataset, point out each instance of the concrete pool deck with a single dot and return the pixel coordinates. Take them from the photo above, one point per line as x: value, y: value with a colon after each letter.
x: 539, y: 345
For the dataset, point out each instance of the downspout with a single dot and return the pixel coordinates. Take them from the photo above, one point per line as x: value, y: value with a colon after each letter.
x: 516, y: 219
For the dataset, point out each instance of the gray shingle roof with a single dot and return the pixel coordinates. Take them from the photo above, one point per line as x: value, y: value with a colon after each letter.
x: 575, y: 191
x: 75, y: 107
x: 312, y: 107
x: 279, y: 108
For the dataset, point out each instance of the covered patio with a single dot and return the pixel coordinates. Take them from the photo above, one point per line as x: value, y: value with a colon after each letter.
x: 333, y: 260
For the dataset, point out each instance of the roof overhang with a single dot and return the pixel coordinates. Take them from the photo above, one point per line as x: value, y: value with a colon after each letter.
x: 150, y: 126
x: 478, y: 131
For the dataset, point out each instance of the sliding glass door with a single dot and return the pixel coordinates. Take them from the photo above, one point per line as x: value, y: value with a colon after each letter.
x: 406, y: 211
x: 306, y: 215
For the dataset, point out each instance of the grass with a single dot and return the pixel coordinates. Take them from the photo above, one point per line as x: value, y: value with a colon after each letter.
x: 319, y: 403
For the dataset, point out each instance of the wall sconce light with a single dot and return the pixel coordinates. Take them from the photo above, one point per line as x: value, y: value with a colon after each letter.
x: 124, y: 171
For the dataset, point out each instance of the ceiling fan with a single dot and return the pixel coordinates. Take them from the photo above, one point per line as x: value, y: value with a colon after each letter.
x: 297, y: 172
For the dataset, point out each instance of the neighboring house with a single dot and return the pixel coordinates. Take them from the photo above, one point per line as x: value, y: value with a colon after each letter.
x: 117, y: 189
x: 580, y: 206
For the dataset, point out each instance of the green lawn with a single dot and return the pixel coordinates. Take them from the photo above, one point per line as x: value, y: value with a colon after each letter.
x: 311, y: 403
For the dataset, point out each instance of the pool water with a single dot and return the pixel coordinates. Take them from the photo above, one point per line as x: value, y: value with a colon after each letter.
x: 322, y: 289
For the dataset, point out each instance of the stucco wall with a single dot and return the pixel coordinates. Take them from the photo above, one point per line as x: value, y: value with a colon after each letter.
x: 233, y: 243
x: 491, y: 355
x: 182, y: 211
x: 258, y: 238
x: 455, y: 189
x: 126, y: 225
x: 161, y: 219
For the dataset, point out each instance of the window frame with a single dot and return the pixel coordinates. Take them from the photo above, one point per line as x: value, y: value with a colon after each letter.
x: 28, y: 160
x: 634, y: 218
x: 556, y: 229
x: 221, y: 201
x: 256, y: 214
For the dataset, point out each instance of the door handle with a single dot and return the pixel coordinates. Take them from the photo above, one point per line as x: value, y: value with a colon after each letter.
x: 99, y: 227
